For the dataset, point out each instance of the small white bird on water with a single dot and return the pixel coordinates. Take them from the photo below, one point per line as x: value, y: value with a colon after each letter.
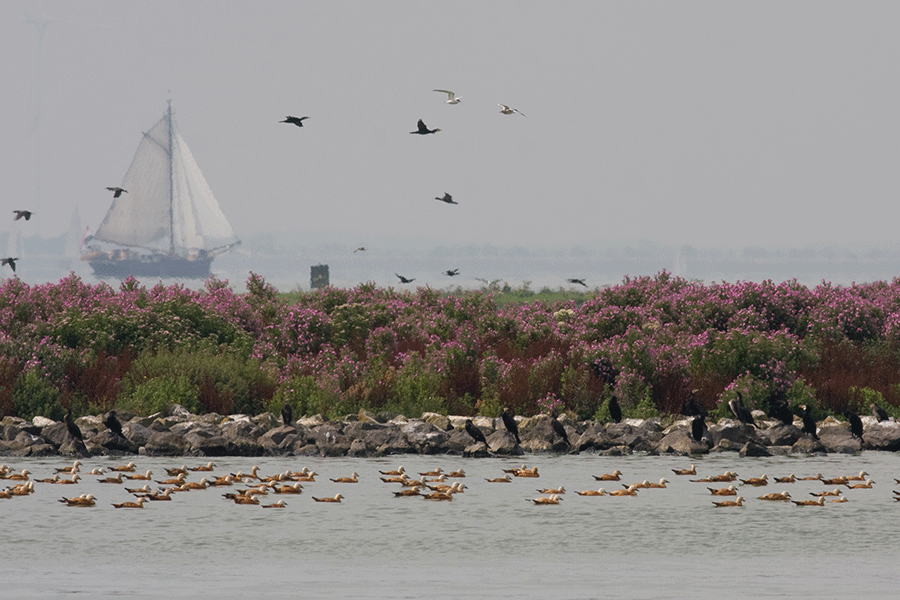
x: 451, y: 97
x: 504, y: 109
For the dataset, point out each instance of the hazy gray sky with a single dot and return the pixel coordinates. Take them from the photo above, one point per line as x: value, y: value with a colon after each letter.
x: 705, y: 123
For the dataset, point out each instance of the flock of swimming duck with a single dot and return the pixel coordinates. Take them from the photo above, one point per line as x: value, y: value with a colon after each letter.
x: 434, y: 485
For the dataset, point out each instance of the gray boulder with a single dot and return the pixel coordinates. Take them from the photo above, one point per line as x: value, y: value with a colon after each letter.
x: 166, y: 443
x: 424, y: 437
x: 883, y: 436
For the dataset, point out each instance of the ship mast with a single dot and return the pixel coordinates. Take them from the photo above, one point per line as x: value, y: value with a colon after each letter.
x: 171, y: 183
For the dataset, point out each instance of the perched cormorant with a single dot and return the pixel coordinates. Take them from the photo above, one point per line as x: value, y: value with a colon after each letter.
x: 117, y: 191
x: 476, y: 433
x: 22, y: 214
x: 9, y: 261
x: 287, y: 414
x: 446, y: 198
x: 578, y: 281
x: 112, y: 423
x: 510, y: 423
x: 559, y: 429
x: 782, y: 412
x: 405, y: 279
x: 740, y: 410
x: 422, y: 129
x: 856, y: 426
x: 809, y: 424
x: 504, y: 109
x: 298, y: 121
x: 615, y: 411
x: 698, y: 427
x: 451, y: 97
x: 74, y: 431
x: 877, y: 412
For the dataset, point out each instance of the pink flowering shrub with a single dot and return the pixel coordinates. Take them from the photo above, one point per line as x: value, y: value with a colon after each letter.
x: 650, y: 341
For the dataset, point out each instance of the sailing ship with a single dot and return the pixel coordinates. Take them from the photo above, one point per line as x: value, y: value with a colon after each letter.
x: 168, y: 224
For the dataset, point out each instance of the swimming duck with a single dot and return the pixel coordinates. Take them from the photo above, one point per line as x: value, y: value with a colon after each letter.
x: 129, y: 468
x: 789, y: 479
x: 691, y: 471
x: 504, y: 479
x: 288, y: 489
x: 819, y: 502
x: 138, y: 504
x: 396, y: 472
x: 729, y: 491
x: 597, y: 492
x: 739, y: 501
x: 861, y: 486
x: 72, y: 469
x: 553, y: 499
x: 629, y: 491
x: 146, y: 477
x: 84, y: 500
x: 337, y: 498
x: 756, y: 481
x: 279, y: 504
x: 614, y: 476
x: 559, y: 490
x: 352, y: 479
x: 207, y: 467
x: 776, y: 496
x: 407, y: 492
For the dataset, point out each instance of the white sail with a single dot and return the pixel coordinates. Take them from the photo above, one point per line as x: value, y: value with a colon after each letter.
x: 168, y: 206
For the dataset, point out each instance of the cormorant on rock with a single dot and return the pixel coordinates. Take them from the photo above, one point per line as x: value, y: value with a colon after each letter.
x: 698, y: 427
x: 877, y: 412
x: 287, y: 414
x: 615, y: 411
x: 476, y: 433
x: 782, y: 412
x: 559, y: 429
x: 740, y: 410
x: 510, y: 423
x: 809, y: 424
x: 74, y: 431
x: 856, y: 426
x: 112, y: 423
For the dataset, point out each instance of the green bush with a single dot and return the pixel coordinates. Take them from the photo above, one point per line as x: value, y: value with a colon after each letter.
x: 158, y: 394
x: 35, y: 396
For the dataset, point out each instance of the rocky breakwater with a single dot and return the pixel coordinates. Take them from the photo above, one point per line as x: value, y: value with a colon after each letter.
x: 180, y: 433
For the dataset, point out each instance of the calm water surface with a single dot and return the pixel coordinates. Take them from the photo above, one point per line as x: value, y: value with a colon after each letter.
x: 490, y: 542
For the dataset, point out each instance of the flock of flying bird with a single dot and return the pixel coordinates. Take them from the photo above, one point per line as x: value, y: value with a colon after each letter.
x: 422, y: 129
x: 27, y: 214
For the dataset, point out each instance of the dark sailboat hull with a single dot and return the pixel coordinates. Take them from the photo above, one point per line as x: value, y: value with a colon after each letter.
x: 110, y: 264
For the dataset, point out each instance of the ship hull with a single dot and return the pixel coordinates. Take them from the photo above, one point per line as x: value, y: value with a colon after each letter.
x: 151, y: 265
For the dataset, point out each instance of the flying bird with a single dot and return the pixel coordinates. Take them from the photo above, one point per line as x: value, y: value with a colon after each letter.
x: 504, y: 109
x: 447, y: 198
x: 452, y: 272
x: 360, y: 249
x: 405, y: 279
x: 9, y: 261
x: 578, y: 281
x: 451, y: 97
x: 298, y: 121
x: 26, y: 214
x: 422, y: 129
x: 117, y: 191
